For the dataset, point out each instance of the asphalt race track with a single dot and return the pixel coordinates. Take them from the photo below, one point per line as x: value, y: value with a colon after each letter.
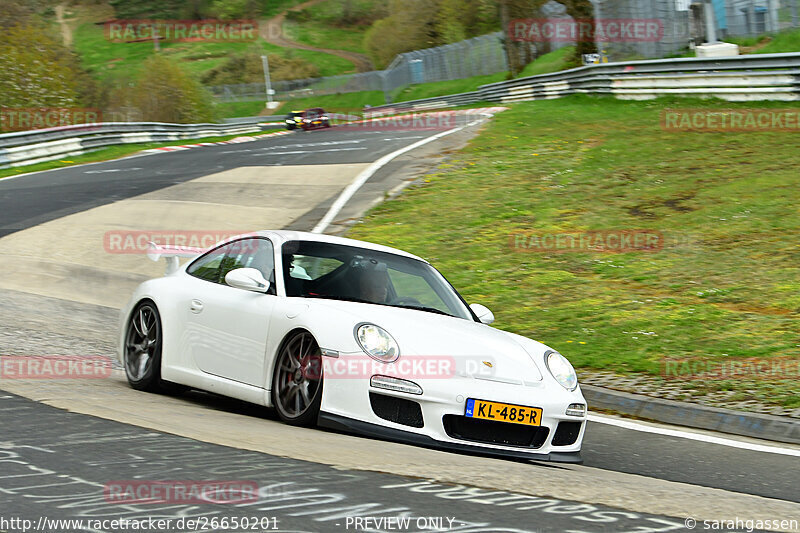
x: 62, y: 443
x: 62, y: 459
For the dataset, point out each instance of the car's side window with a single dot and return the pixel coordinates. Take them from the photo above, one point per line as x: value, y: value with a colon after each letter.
x: 249, y: 253
x: 207, y: 266
x: 253, y: 252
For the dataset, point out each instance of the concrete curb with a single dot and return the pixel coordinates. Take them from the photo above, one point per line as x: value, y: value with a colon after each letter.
x: 756, y: 425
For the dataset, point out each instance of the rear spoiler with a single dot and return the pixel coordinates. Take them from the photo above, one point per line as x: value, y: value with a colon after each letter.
x: 171, y: 254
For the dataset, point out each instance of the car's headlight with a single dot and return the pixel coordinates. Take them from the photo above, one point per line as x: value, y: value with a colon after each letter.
x: 562, y: 370
x: 377, y: 343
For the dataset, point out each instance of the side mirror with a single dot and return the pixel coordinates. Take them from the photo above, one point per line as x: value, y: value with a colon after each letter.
x: 249, y: 279
x: 483, y: 313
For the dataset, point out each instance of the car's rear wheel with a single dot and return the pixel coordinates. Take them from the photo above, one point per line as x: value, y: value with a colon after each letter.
x: 142, y: 356
x: 297, y: 380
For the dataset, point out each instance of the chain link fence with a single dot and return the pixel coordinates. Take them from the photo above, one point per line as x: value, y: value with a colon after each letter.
x: 290, y: 89
x: 485, y: 55
x: 473, y: 57
x: 479, y: 56
x: 746, y: 18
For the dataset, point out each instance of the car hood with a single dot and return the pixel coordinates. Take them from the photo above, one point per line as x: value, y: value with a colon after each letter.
x: 479, y: 350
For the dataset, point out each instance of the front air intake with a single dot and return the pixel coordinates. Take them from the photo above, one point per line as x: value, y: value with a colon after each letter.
x: 491, y: 432
x: 397, y: 410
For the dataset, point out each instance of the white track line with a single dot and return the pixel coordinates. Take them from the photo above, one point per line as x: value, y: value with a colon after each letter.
x: 309, y: 151
x: 362, y: 178
x: 627, y: 424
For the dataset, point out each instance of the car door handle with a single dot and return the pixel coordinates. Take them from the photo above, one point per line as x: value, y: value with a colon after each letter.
x: 196, y: 306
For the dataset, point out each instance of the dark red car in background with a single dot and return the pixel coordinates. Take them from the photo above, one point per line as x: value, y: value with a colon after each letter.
x: 315, y: 118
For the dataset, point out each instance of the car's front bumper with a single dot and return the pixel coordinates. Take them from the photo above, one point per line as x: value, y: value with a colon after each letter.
x: 347, y: 405
x: 342, y: 423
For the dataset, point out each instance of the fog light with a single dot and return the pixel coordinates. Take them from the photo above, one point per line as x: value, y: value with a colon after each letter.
x: 576, y: 409
x: 395, y: 384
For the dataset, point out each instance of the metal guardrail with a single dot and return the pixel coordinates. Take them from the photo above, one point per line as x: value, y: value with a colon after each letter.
x: 37, y: 146
x: 739, y: 78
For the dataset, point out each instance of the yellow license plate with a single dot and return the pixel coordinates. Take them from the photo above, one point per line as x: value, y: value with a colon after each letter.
x: 504, y: 412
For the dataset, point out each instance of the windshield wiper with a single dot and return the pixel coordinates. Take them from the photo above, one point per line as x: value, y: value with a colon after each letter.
x: 424, y: 308
x: 340, y: 298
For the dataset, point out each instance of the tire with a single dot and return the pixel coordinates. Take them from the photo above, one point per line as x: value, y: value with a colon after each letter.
x: 142, y: 355
x: 297, y: 380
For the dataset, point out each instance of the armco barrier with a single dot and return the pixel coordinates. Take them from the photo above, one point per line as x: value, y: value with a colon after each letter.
x: 37, y: 146
x: 739, y: 78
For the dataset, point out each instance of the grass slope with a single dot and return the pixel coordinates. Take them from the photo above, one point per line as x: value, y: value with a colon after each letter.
x: 725, y: 287
x: 105, y: 58
x: 322, y: 25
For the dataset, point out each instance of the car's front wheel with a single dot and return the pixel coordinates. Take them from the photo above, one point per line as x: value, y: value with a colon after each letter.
x: 297, y: 380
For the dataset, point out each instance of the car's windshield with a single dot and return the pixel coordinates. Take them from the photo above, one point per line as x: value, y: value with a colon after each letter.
x: 324, y: 270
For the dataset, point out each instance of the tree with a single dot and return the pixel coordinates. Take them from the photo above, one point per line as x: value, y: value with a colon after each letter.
x: 519, y: 53
x: 38, y: 71
x: 416, y: 24
x: 165, y: 93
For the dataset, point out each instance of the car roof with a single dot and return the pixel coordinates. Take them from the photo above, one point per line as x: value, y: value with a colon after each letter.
x: 281, y: 236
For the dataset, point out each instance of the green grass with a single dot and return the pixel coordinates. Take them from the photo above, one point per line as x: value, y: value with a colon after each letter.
x: 552, y: 62
x: 726, y: 285
x: 112, y: 152
x: 442, y: 88
x: 560, y: 59
x: 336, y: 102
x: 240, y: 109
x: 321, y: 25
x: 105, y: 58
x: 786, y: 41
x: 270, y: 8
x: 782, y: 42
x: 328, y: 65
x: 322, y: 36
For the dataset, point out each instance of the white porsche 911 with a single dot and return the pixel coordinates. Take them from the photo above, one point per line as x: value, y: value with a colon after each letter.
x: 352, y: 336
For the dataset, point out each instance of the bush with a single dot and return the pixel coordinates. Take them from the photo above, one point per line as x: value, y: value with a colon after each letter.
x: 247, y: 68
x: 160, y: 9
x: 165, y: 93
x: 37, y: 70
x: 417, y: 24
x: 234, y: 9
